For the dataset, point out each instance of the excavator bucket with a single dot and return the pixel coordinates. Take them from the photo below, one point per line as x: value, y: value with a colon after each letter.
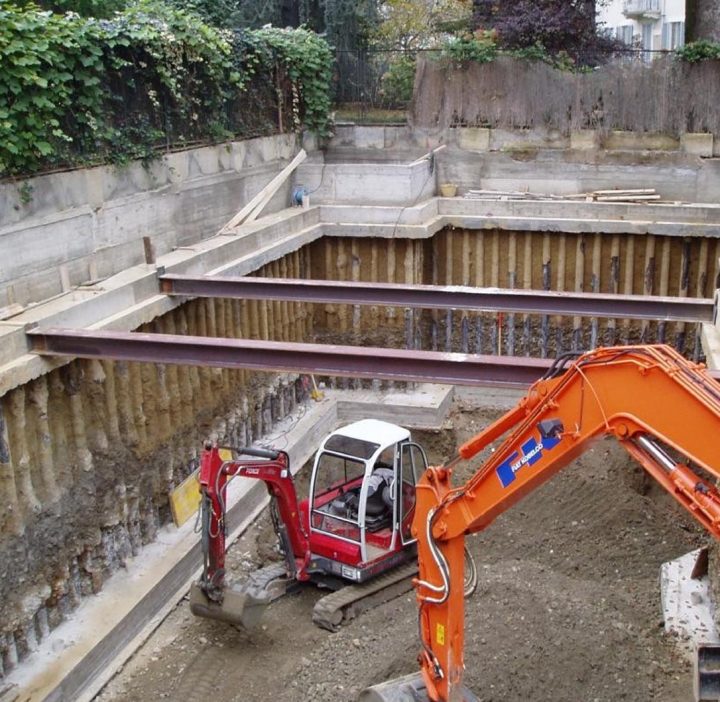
x: 409, y: 688
x: 243, y: 609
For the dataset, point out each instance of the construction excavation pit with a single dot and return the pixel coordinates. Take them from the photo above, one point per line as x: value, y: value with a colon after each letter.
x: 383, y: 445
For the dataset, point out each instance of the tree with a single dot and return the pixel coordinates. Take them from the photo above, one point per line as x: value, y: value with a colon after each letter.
x: 409, y: 25
x: 556, y: 25
x: 702, y: 20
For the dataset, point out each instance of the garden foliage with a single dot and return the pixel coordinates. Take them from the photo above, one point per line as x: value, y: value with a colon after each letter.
x: 77, y: 90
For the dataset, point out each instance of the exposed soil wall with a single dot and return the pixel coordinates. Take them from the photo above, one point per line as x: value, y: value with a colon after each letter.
x: 89, y: 452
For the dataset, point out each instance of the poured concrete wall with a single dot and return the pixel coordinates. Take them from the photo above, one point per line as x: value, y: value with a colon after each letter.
x: 366, y: 183
x: 64, y: 229
x: 546, y: 161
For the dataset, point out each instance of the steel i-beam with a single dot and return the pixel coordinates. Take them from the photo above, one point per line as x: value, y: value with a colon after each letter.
x: 668, y: 309
x: 321, y: 359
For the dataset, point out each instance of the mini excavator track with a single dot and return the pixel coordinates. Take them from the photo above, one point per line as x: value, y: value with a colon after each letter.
x: 345, y: 604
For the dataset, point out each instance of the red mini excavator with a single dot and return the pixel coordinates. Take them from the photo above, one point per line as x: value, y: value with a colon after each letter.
x: 350, y: 536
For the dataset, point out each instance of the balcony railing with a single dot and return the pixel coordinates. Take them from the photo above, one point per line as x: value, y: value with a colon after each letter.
x: 642, y: 9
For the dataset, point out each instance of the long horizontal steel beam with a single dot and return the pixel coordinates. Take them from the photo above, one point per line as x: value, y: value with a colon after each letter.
x: 348, y: 361
x: 671, y: 309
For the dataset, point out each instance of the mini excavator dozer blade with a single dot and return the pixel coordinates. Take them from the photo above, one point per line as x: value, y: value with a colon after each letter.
x: 409, y: 688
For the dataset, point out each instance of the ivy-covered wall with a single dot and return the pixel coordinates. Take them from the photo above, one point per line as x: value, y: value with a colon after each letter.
x: 80, y: 90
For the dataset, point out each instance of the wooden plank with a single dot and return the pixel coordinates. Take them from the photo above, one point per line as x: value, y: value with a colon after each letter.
x: 10, y: 311
x: 627, y: 198
x: 426, y: 156
x: 259, y: 201
x: 621, y: 191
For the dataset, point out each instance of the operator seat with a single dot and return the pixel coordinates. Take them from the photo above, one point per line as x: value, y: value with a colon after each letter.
x: 379, y: 506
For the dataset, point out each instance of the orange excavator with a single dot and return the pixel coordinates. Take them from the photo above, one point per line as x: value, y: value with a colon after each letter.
x: 663, y: 409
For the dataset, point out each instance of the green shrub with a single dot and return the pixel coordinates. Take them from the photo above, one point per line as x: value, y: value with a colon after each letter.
x: 398, y: 81
x: 77, y: 90
x: 477, y: 48
x: 306, y: 61
x: 481, y: 47
x: 699, y: 51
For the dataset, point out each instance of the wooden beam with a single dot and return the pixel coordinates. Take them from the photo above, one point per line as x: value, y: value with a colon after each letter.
x: 257, y: 203
x: 426, y: 156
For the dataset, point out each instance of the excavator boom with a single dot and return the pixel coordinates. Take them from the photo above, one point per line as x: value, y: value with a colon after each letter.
x: 663, y: 409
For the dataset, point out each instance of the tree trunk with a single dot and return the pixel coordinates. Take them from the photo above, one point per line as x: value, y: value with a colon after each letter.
x: 702, y: 20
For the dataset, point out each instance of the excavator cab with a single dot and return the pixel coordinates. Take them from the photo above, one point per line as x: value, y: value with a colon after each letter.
x: 362, y: 497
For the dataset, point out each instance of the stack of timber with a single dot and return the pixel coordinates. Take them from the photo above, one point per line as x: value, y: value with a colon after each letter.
x: 633, y: 195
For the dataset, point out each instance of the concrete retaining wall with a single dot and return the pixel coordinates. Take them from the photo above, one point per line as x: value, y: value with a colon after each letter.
x: 367, y: 183
x: 545, y: 161
x: 64, y: 229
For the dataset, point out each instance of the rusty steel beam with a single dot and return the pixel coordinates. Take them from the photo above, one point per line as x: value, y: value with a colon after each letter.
x: 671, y: 309
x: 320, y: 359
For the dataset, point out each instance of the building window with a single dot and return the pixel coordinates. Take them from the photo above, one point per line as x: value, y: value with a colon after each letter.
x: 624, y: 34
x: 673, y: 35
x: 647, y: 41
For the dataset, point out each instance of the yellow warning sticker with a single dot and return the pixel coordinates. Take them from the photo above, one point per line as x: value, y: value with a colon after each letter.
x: 440, y: 634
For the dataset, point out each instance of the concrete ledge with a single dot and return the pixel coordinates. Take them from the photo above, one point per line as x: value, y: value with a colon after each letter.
x: 83, y: 653
x: 697, y: 144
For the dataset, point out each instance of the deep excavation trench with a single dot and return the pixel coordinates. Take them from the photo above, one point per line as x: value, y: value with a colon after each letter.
x: 89, y: 451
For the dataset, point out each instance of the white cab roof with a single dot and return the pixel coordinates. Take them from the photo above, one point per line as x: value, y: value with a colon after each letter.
x: 375, y: 431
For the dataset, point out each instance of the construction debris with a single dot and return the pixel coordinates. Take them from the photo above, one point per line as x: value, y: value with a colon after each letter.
x: 616, y: 196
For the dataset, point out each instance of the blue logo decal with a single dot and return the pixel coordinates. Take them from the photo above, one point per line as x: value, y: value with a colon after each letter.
x: 532, y: 452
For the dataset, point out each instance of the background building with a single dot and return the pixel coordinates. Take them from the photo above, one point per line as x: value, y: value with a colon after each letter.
x: 653, y: 25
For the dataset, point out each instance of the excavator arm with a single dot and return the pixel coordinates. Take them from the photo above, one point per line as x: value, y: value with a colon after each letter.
x: 271, y: 467
x: 663, y: 409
